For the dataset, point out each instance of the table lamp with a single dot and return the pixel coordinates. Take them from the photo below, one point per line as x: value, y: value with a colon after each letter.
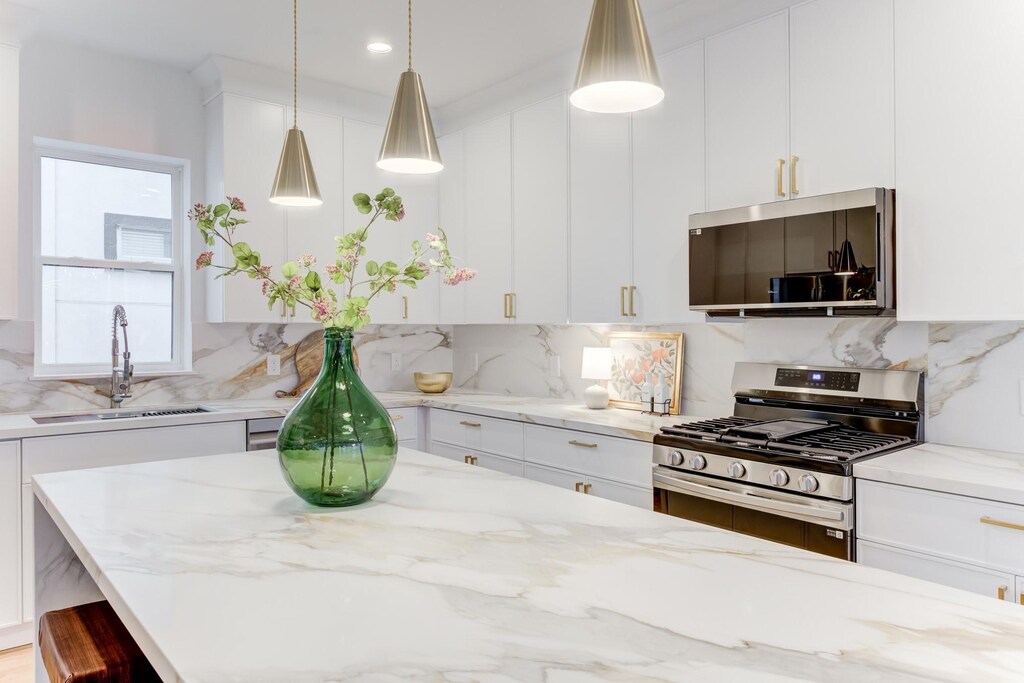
x: 597, y: 365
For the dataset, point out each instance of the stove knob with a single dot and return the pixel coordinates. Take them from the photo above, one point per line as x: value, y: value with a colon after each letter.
x: 698, y: 462
x: 737, y: 470
x: 675, y: 458
x: 778, y: 477
x: 807, y: 483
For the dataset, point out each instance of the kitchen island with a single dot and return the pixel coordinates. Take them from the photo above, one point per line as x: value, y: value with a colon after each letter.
x: 454, y: 572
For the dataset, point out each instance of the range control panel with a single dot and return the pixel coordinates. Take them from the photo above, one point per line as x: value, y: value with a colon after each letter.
x: 833, y: 380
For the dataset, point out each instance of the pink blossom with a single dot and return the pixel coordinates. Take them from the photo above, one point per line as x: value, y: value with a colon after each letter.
x: 264, y: 272
x: 331, y: 268
x: 307, y: 261
x: 323, y: 308
x: 401, y: 214
x: 204, y: 259
x: 422, y: 265
x: 295, y: 281
x: 198, y: 213
x: 236, y: 203
x: 431, y: 238
x: 266, y: 287
x: 458, y: 275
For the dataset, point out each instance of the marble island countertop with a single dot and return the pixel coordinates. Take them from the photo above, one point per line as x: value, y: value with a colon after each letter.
x: 547, y: 411
x: 459, y: 573
x: 993, y: 475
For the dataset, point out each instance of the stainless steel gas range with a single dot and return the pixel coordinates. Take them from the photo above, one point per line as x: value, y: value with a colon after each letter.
x: 781, y: 467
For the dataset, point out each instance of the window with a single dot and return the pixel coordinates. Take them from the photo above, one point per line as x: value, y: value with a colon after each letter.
x: 109, y: 231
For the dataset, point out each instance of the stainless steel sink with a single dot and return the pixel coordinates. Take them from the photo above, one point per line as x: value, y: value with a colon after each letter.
x: 119, y: 415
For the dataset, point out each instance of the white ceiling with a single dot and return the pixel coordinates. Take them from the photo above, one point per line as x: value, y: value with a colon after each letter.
x: 460, y: 46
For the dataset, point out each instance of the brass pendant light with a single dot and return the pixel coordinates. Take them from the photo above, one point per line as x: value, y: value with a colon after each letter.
x: 617, y: 72
x: 295, y: 183
x: 409, y: 144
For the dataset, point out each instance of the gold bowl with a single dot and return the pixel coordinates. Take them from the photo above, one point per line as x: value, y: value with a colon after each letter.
x: 432, y: 382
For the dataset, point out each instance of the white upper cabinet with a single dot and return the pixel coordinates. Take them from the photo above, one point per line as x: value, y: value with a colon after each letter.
x: 451, y: 193
x: 9, y: 59
x: 488, y: 202
x: 600, y: 232
x: 668, y: 186
x: 959, y: 146
x: 388, y: 240
x: 244, y: 139
x: 841, y: 95
x: 540, y: 211
x: 747, y: 109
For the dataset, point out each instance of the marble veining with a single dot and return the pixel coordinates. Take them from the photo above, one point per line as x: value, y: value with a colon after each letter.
x: 993, y: 475
x: 458, y: 573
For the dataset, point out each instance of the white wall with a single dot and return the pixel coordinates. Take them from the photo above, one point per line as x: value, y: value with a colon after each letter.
x: 82, y: 95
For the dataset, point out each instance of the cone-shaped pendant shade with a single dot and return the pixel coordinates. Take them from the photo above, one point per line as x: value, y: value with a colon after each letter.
x: 295, y: 184
x: 409, y: 144
x: 847, y: 264
x: 617, y: 71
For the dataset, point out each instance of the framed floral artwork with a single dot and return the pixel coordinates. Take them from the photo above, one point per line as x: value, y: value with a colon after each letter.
x: 646, y: 364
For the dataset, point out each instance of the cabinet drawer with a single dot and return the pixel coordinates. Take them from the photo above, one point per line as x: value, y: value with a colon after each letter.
x: 406, y: 422
x: 479, y: 458
x: 493, y: 435
x: 942, y: 524
x: 963, y: 576
x: 102, y: 449
x: 572, y: 481
x: 609, y: 457
x: 623, y: 493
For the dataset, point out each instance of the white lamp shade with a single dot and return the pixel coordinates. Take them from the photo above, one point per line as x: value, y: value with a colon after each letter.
x: 597, y: 363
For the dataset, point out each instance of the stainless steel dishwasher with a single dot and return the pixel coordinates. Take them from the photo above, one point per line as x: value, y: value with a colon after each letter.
x: 261, y: 434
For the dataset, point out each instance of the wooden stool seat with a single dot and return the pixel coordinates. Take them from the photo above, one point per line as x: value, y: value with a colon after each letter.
x: 87, y: 644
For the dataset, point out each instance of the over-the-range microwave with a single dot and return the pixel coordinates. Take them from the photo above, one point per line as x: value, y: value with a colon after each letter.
x: 825, y: 255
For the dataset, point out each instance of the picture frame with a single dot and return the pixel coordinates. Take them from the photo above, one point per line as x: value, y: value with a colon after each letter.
x: 635, y: 355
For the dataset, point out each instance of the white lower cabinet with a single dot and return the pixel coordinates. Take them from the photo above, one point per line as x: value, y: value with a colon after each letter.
x: 594, y: 486
x: 10, y: 533
x: 959, y: 541
x: 407, y: 426
x: 472, y: 457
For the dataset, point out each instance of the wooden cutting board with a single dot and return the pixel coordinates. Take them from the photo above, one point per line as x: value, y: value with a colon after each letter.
x: 309, y: 358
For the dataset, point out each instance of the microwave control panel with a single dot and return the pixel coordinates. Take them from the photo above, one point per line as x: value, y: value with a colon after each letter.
x: 833, y: 380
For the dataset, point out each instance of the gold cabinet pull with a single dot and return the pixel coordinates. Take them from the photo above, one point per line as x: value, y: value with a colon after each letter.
x: 511, y: 304
x: 579, y: 486
x: 586, y: 488
x: 583, y: 444
x: 405, y: 308
x: 396, y: 418
x: 1001, y: 592
x: 1022, y: 598
x: 792, y: 175
x: 632, y: 297
x: 778, y: 179
x: 622, y: 301
x: 469, y: 459
x: 284, y: 309
x: 469, y: 424
x: 1001, y: 523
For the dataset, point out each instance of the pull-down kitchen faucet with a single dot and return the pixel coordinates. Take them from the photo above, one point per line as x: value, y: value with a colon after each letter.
x: 120, y: 378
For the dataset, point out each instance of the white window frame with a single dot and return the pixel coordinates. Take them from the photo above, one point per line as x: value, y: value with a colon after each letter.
x: 179, y: 170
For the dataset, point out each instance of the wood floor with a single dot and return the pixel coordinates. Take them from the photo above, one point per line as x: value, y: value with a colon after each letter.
x: 16, y: 665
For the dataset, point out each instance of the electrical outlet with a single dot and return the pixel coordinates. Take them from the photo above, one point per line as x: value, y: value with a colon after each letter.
x: 273, y: 364
x: 555, y: 366
x: 396, y: 362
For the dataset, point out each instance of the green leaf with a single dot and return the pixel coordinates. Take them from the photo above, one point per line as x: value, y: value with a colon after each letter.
x: 362, y: 202
x: 313, y: 280
x: 241, y: 250
x: 372, y: 268
x: 290, y: 269
x: 221, y: 210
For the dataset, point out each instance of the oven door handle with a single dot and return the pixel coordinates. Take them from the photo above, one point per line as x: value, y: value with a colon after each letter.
x: 746, y: 500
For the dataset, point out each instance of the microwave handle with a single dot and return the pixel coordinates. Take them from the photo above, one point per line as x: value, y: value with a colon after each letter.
x: 880, y: 252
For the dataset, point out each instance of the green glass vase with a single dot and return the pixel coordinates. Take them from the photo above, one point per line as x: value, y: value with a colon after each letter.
x: 337, y: 445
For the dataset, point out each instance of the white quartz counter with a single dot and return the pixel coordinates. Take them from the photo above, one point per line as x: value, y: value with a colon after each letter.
x: 993, y: 475
x: 459, y: 573
x: 552, y: 412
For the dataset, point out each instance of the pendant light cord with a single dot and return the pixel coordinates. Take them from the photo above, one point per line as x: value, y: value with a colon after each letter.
x: 295, y: 63
x: 410, y: 35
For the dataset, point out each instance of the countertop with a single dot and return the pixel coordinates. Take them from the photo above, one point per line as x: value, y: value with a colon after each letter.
x: 552, y: 412
x: 993, y: 475
x: 460, y: 573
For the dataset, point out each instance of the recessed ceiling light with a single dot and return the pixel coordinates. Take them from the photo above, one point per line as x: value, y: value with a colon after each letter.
x: 378, y: 48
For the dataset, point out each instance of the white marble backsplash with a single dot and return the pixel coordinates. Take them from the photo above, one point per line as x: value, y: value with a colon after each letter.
x: 229, y: 362
x: 973, y: 387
